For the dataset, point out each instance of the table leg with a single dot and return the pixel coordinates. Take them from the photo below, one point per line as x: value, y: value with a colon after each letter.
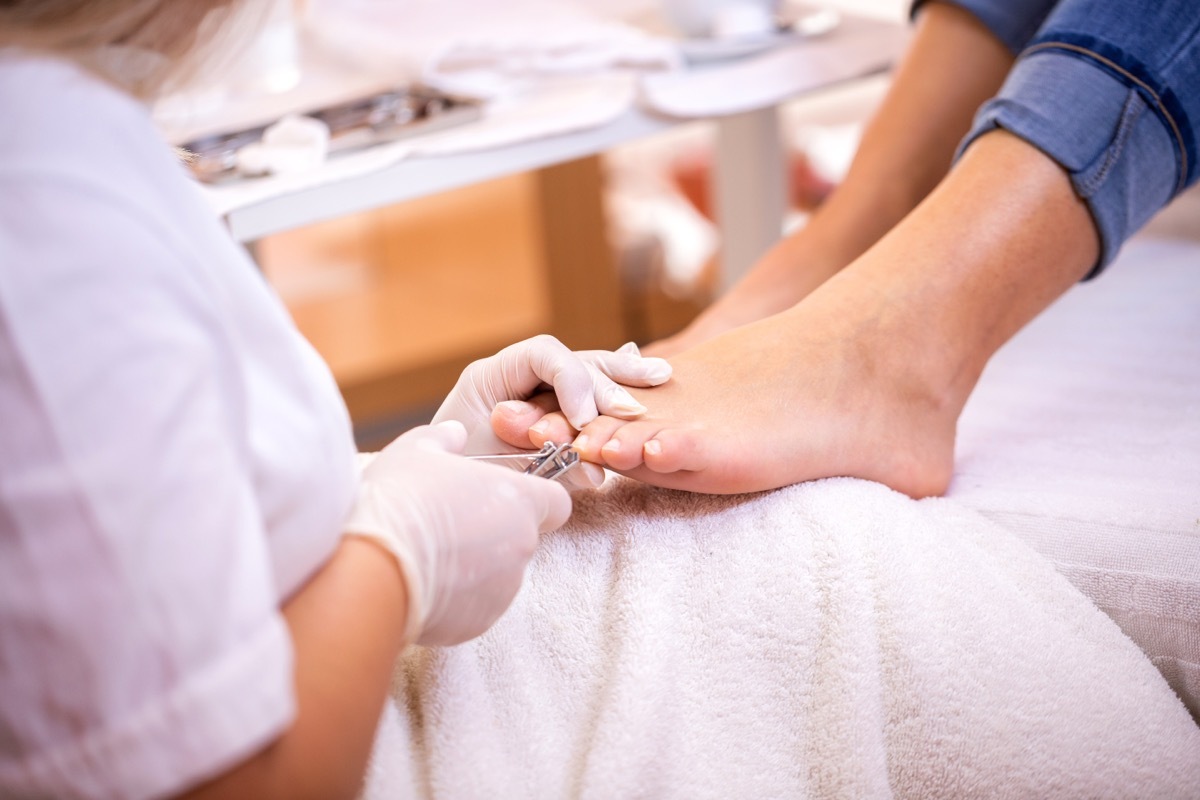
x: 585, y: 288
x: 750, y: 189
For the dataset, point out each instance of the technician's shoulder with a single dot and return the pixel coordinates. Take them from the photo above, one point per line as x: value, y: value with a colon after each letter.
x: 60, y: 123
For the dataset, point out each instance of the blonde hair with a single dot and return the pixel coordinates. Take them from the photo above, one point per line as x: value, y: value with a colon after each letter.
x: 146, y: 47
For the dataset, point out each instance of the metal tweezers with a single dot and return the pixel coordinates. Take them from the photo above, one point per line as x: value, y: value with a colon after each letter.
x: 552, y: 461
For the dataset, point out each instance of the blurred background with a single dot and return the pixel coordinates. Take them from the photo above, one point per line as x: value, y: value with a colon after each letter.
x: 399, y: 299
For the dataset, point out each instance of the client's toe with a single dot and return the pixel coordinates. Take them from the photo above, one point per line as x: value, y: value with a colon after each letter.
x: 553, y: 427
x: 594, y: 436
x: 676, y: 450
x: 624, y: 450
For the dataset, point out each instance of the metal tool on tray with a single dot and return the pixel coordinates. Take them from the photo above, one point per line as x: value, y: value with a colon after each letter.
x: 387, y: 116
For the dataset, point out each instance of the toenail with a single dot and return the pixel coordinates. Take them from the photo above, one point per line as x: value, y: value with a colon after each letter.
x: 653, y: 448
x: 581, y: 442
x: 612, y: 446
x: 540, y: 427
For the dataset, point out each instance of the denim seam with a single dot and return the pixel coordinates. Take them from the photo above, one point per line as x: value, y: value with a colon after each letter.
x: 1162, y: 110
x: 1129, y: 116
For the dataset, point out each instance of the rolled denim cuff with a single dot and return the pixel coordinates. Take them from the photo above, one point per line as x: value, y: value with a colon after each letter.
x: 1013, y: 22
x: 1121, y: 156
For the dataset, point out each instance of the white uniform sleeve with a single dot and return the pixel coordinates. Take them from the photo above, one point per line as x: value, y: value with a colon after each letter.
x: 141, y: 649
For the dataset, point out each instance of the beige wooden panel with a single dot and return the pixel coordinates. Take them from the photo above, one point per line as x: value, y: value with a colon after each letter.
x: 399, y: 300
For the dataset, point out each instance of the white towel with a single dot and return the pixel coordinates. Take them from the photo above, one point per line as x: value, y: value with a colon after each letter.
x: 833, y: 639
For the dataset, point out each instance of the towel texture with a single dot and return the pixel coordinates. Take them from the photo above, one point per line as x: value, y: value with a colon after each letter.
x: 832, y: 639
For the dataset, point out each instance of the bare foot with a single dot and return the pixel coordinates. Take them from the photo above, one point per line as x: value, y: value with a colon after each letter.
x: 866, y: 377
x: 787, y: 399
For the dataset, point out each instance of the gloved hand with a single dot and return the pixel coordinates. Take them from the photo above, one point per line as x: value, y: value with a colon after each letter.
x: 585, y: 385
x: 462, y: 531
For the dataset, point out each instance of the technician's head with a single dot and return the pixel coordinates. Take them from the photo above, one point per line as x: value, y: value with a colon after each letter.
x: 144, y: 46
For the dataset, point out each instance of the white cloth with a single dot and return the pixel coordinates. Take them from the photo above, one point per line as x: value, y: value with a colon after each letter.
x: 832, y: 639
x: 503, y: 63
x: 175, y: 458
x: 856, y: 48
x: 543, y: 70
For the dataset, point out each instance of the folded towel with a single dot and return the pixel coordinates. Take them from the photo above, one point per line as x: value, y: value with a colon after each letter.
x: 833, y: 639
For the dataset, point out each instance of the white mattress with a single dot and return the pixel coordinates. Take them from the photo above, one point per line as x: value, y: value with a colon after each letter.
x: 1083, y: 438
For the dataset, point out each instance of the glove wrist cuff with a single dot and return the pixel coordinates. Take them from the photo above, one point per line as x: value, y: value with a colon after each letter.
x: 414, y: 620
x: 364, y: 522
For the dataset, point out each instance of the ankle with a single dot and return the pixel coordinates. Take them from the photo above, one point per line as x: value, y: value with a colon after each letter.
x: 897, y: 334
x: 997, y: 242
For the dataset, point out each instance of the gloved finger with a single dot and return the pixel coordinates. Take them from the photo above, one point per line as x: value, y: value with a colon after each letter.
x: 365, y: 460
x: 612, y: 400
x: 627, y: 366
x: 579, y: 386
x: 447, y: 437
x: 547, y: 360
x: 549, y: 501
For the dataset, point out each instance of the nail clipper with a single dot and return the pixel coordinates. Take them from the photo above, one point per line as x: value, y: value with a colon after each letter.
x: 552, y: 461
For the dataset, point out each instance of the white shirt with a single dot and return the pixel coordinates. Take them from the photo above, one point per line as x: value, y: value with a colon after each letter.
x: 174, y: 458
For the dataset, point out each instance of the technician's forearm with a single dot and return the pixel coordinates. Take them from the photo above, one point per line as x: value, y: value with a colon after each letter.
x: 347, y: 629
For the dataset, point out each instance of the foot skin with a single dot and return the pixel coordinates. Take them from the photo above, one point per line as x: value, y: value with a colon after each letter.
x: 866, y: 376
x: 795, y: 397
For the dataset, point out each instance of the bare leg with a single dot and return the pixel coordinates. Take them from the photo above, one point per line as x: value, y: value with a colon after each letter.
x: 867, y: 376
x: 953, y: 65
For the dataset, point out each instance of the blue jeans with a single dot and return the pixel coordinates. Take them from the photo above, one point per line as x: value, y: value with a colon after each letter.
x: 1109, y: 90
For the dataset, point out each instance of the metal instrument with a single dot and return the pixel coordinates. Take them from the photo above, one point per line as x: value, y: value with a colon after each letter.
x: 386, y: 116
x: 552, y: 461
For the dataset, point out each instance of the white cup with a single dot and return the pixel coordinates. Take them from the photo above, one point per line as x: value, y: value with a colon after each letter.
x: 721, y: 19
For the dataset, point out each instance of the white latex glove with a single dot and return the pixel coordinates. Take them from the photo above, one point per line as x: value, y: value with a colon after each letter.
x: 462, y: 531
x: 584, y: 383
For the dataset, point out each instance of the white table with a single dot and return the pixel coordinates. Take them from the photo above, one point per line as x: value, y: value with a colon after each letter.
x: 750, y: 159
x: 584, y: 288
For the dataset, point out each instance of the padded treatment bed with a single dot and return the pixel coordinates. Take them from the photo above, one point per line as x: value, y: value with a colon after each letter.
x: 1083, y: 439
x: 838, y: 639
